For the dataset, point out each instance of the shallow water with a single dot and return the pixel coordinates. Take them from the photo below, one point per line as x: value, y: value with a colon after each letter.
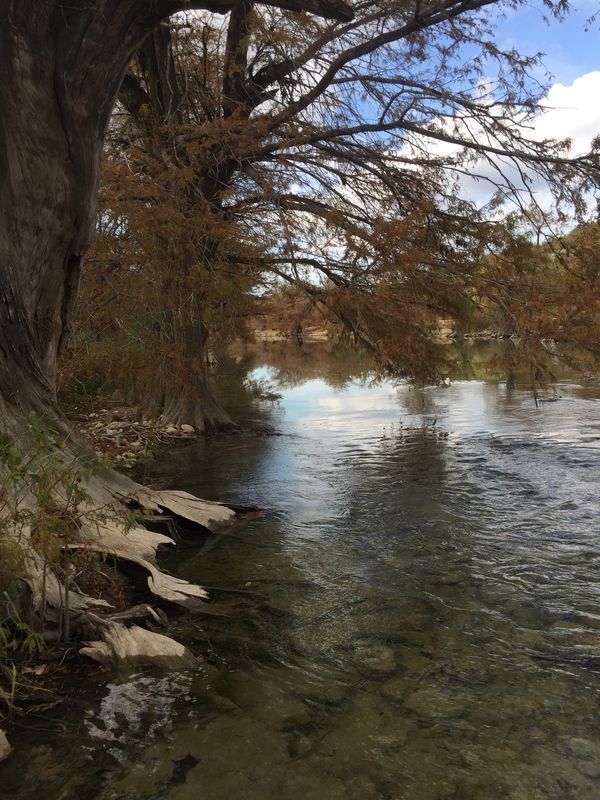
x: 416, y: 616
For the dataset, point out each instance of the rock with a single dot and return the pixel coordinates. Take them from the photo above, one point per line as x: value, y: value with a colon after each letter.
x: 587, y: 753
x: 5, y: 748
x: 188, y: 428
x: 434, y: 702
x: 327, y: 695
x: 395, y: 689
x: 453, y: 578
x: 376, y: 658
x: 299, y: 746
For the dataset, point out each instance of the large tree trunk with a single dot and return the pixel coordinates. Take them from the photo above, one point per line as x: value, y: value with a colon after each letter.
x: 188, y: 396
x: 57, y: 89
x: 153, y: 97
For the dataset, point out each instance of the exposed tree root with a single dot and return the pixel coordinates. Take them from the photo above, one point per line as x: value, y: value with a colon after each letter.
x: 139, y: 547
x: 5, y: 748
x: 102, y: 527
x: 135, y: 646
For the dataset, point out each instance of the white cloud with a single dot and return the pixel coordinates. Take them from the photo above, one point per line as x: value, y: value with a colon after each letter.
x: 573, y: 112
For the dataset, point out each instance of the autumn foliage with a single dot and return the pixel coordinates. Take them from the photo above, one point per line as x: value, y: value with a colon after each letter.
x: 274, y: 149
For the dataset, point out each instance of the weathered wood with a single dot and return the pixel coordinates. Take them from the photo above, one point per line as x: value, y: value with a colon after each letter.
x: 141, y: 613
x: 212, y: 516
x: 5, y: 748
x: 105, y: 531
x: 47, y: 590
x: 111, y: 486
x: 139, y: 546
x: 121, y: 646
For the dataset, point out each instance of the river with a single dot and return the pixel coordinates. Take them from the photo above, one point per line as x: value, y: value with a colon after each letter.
x: 415, y: 616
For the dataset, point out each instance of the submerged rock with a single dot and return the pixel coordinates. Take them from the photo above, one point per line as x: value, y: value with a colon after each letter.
x: 434, y: 701
x: 395, y: 689
x: 371, y: 657
x: 587, y: 753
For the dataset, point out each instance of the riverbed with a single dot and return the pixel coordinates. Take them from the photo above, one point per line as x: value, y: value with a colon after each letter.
x: 415, y: 615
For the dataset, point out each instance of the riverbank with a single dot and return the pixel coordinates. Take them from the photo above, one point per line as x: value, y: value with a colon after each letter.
x: 96, y: 595
x: 122, y: 435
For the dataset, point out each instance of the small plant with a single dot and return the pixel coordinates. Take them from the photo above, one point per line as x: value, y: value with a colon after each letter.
x: 41, y: 495
x: 19, y: 643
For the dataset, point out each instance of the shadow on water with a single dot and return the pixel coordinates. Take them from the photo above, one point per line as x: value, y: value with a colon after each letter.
x: 415, y: 615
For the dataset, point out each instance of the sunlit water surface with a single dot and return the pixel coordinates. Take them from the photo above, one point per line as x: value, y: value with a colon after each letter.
x: 415, y: 617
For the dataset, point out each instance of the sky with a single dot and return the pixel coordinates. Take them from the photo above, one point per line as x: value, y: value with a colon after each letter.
x: 571, y: 51
x: 572, y: 56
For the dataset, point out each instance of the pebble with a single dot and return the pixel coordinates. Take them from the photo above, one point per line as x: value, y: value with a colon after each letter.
x: 109, y: 431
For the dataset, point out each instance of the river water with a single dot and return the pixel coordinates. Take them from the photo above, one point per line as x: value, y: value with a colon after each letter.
x: 416, y: 616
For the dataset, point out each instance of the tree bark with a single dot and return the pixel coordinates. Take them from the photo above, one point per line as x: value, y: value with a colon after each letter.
x: 57, y: 89
x: 188, y: 396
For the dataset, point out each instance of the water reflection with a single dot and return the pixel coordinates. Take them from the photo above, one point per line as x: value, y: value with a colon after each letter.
x: 416, y: 615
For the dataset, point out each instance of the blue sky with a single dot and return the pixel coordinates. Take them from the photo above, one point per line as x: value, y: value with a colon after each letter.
x: 572, y: 57
x: 571, y: 51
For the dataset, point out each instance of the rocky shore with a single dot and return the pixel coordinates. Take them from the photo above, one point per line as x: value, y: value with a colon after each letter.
x: 124, y: 437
